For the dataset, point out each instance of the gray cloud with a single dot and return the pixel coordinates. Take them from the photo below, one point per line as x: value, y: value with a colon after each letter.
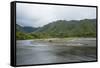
x: 38, y: 15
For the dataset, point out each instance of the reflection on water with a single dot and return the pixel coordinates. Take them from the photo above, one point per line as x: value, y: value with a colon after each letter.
x: 57, y: 51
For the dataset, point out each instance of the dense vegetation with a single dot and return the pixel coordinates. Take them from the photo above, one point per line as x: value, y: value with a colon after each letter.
x: 59, y: 29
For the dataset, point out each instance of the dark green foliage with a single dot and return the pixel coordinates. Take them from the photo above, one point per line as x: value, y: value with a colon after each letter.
x: 22, y: 36
x: 60, y: 29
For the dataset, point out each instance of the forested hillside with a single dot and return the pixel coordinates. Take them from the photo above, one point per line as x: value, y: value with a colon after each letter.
x: 59, y: 29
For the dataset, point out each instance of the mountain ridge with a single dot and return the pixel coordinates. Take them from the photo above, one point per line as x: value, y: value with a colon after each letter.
x: 62, y: 28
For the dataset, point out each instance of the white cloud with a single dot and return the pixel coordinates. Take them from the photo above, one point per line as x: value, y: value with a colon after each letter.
x: 37, y: 15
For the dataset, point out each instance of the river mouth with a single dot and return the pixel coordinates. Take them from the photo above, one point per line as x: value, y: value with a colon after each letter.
x: 56, y: 51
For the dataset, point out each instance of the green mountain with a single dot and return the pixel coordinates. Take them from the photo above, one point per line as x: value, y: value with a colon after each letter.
x: 86, y: 27
x: 29, y: 29
x: 59, y: 29
x: 25, y: 29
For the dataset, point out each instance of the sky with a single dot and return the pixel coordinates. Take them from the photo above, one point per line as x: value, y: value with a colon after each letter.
x: 38, y: 15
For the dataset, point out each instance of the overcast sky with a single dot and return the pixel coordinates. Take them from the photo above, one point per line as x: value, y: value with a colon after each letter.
x: 37, y: 15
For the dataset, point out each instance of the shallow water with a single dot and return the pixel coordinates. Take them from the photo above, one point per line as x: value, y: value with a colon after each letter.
x: 57, y: 51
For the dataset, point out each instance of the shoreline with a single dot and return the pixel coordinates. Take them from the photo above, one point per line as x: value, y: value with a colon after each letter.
x: 71, y: 38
